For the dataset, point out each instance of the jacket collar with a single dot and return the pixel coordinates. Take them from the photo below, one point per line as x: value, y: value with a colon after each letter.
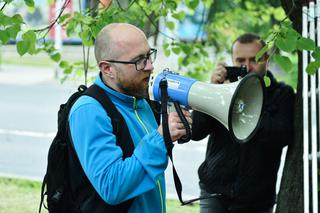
x: 115, y: 95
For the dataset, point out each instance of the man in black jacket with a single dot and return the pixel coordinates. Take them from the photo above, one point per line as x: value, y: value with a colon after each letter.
x: 245, y: 174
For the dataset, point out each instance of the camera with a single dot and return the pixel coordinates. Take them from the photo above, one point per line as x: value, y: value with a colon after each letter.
x: 234, y: 72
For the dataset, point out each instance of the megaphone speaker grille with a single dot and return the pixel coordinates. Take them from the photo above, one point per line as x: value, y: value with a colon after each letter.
x: 246, y: 108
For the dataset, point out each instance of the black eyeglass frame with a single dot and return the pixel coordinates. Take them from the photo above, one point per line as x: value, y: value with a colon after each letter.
x: 145, y: 58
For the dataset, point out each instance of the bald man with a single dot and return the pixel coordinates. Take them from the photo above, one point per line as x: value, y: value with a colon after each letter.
x: 125, y: 62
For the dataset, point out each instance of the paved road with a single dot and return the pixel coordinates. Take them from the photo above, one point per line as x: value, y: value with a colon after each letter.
x: 29, y: 101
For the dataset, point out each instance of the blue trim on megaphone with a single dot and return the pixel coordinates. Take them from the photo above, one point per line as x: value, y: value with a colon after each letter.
x: 178, y: 87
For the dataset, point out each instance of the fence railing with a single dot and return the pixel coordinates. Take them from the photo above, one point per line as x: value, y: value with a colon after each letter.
x: 311, y: 109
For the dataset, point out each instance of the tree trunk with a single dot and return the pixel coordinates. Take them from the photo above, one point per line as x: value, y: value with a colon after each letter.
x: 290, y: 198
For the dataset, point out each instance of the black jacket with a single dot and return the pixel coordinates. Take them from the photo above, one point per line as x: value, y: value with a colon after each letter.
x: 246, y: 173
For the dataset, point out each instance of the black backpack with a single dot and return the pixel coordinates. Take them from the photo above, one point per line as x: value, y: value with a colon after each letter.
x: 65, y: 184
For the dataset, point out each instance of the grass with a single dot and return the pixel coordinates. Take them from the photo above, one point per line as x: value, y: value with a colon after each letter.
x: 27, y: 60
x: 174, y: 206
x: 23, y: 196
x: 17, y: 195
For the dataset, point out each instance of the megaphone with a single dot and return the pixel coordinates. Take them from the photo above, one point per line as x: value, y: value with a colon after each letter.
x: 238, y: 105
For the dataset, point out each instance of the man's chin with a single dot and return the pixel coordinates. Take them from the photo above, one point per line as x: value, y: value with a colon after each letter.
x: 142, y: 94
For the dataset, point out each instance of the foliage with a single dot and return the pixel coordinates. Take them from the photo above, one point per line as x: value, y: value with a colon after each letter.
x: 289, y: 41
x: 222, y: 21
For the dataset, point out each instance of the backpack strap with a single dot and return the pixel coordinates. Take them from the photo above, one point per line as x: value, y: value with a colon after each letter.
x: 118, y: 123
x: 94, y: 202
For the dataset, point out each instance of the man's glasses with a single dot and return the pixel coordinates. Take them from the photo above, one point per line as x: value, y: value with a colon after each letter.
x: 141, y: 62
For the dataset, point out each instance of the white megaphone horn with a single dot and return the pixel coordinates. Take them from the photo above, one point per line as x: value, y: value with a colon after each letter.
x: 238, y: 106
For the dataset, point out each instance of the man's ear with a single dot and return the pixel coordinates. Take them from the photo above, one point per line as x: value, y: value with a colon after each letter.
x: 105, y: 68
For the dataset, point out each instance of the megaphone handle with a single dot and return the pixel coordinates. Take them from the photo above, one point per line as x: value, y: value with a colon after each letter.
x: 186, y: 138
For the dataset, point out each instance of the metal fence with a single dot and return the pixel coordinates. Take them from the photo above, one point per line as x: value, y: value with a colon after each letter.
x: 311, y: 108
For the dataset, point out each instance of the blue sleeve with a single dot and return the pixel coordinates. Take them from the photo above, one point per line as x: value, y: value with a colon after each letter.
x: 115, y: 179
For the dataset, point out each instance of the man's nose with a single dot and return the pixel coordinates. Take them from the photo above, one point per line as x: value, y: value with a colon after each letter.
x: 149, y: 66
x: 249, y: 66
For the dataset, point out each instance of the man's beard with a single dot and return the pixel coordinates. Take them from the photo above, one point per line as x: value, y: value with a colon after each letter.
x: 139, y: 91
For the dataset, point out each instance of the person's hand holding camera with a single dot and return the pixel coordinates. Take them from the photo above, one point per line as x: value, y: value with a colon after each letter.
x: 219, y: 74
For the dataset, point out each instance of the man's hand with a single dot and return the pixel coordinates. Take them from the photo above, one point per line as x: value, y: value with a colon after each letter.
x: 219, y: 74
x: 176, y: 127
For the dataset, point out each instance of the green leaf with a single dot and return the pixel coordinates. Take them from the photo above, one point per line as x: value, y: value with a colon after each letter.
x: 17, y: 19
x: 204, y: 52
x: 279, y: 13
x: 55, y: 57
x: 287, y: 24
x: 171, y: 4
x: 13, y: 31
x: 293, y: 33
x: 267, y: 81
x: 305, y: 44
x: 4, y: 36
x: 287, y: 44
x: 313, y: 67
x: 180, y: 61
x: 170, y: 25
x: 193, y: 4
x: 31, y: 9
x: 32, y: 48
x: 249, y: 5
x: 165, y: 45
x: 29, y: 36
x: 193, y: 59
x: 185, y: 61
x: 316, y: 54
x: 265, y: 17
x: 4, y: 19
x: 22, y: 47
x: 86, y: 20
x: 71, y: 27
x: 163, y: 13
x: 186, y: 49
x: 67, y: 70
x: 179, y: 16
x: 176, y: 50
x: 262, y: 52
x: 29, y: 3
x: 63, y: 64
x: 86, y: 37
x: 283, y: 61
x: 63, y: 18
x: 166, y: 52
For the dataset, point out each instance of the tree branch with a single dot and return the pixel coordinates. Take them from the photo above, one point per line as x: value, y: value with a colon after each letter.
x: 3, y: 6
x: 155, y: 25
x: 65, y: 4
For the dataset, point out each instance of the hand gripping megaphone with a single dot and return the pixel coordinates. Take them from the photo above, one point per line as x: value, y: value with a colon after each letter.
x: 238, y: 105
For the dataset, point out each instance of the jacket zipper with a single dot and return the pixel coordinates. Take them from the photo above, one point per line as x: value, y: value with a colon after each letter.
x: 145, y: 128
